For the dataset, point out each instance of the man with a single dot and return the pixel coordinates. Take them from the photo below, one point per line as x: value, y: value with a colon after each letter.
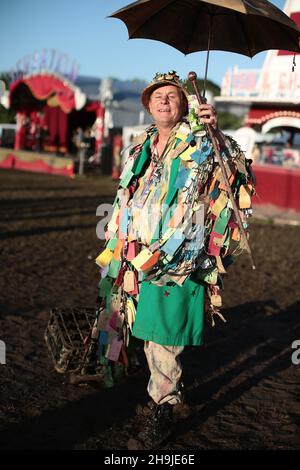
x: 167, y: 242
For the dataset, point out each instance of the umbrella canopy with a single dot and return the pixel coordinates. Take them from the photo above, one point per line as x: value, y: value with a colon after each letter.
x: 242, y: 26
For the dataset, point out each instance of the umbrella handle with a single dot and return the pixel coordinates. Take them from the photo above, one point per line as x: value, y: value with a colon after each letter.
x: 213, y: 136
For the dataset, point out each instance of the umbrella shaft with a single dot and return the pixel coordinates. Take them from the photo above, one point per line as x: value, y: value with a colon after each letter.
x: 212, y: 135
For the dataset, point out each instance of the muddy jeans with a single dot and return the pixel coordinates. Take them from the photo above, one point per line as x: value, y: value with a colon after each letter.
x: 165, y: 369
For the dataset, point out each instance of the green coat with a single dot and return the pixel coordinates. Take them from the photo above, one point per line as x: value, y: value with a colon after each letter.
x: 173, y: 314
x: 169, y: 315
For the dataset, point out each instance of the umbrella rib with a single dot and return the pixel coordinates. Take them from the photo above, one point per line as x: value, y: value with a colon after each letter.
x: 246, y: 33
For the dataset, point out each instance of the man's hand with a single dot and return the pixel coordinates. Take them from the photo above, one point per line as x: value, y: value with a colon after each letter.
x: 207, y: 115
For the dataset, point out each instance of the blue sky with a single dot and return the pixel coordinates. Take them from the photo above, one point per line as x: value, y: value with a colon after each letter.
x: 80, y: 29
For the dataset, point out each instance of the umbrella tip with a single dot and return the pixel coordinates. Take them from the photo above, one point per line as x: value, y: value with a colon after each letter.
x: 192, y: 76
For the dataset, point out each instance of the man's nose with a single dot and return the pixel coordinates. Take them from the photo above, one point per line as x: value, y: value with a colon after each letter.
x: 164, y: 99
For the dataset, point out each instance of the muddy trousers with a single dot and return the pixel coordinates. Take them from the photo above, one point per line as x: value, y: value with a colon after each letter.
x: 165, y: 373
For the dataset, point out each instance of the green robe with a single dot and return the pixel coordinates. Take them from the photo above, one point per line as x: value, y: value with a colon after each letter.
x: 170, y: 315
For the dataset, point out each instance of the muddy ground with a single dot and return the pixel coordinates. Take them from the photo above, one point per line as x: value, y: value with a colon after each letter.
x: 241, y: 385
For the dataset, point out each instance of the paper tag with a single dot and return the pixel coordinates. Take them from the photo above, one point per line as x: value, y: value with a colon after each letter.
x: 131, y: 251
x: 220, y: 266
x: 151, y: 261
x: 124, y: 222
x: 135, y: 291
x: 244, y: 197
x: 219, y: 204
x: 126, y: 179
x: 129, y: 279
x: 119, y: 279
x: 236, y: 234
x: 118, y: 250
x: 114, y: 268
x: 141, y: 259
x: 173, y: 243
x: 212, y: 277
x: 103, y: 338
x: 104, y: 258
x: 114, y: 350
x: 130, y: 313
x: 213, y: 249
x: 222, y: 185
x: 111, y: 245
x: 178, y: 215
x: 181, y: 177
x: 112, y: 224
x: 216, y: 300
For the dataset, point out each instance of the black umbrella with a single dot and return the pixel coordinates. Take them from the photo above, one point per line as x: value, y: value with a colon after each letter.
x: 243, y: 26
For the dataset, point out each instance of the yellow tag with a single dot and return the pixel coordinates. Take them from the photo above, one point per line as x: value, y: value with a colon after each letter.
x: 181, y: 136
x: 236, y: 235
x: 220, y: 203
x: 104, y: 258
x: 141, y: 259
x: 130, y: 313
x: 220, y: 266
x: 168, y: 233
x: 186, y: 155
x: 212, y: 277
x: 216, y: 300
x: 244, y: 197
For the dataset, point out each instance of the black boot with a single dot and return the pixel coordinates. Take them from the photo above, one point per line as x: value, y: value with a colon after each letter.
x: 157, y: 429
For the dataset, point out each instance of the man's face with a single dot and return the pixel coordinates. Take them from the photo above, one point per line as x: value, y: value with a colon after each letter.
x: 166, y: 105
